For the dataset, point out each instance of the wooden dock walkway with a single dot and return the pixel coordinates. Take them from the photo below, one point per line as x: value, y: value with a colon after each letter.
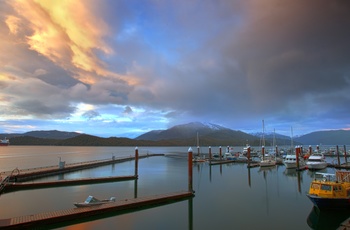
x: 15, y: 186
x: 22, y: 175
x: 11, y: 178
x: 54, y: 217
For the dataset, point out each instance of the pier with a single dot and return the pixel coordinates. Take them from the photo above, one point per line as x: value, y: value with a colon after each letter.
x: 18, y: 175
x: 15, y: 186
x: 40, y: 219
x: 86, y: 213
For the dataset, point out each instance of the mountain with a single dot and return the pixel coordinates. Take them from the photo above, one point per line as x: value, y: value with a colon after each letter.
x: 209, y: 134
x: 331, y: 137
x: 48, y: 134
x: 179, y: 135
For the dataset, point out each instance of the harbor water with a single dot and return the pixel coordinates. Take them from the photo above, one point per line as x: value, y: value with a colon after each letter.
x: 228, y: 196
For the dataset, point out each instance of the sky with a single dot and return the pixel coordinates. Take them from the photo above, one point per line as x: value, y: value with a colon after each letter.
x: 122, y: 68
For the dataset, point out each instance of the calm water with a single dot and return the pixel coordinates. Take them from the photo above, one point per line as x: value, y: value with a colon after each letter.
x: 227, y: 196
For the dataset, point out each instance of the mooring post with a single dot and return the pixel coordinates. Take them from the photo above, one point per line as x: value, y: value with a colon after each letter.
x: 209, y: 154
x: 346, y: 160
x: 220, y: 153
x: 190, y: 187
x: 297, y: 152
x: 263, y: 152
x: 310, y: 150
x: 248, y: 155
x: 338, y: 155
x: 136, y: 161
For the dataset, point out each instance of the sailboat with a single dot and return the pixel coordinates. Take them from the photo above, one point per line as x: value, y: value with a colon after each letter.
x: 290, y: 160
x: 198, y: 158
x: 267, y: 159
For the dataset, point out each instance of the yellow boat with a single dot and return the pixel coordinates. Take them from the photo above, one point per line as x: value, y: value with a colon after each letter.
x: 332, y: 191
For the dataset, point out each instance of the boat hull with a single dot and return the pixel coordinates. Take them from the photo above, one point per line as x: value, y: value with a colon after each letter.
x: 329, y: 203
x: 316, y: 166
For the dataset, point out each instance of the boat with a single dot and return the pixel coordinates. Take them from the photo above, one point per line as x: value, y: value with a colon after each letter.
x: 4, y: 142
x: 316, y: 161
x: 267, y: 159
x: 92, y: 201
x: 291, y: 162
x: 198, y: 157
x: 332, y: 191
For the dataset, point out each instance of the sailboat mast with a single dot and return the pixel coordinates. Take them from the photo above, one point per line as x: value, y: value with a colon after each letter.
x: 291, y: 140
x: 198, y: 145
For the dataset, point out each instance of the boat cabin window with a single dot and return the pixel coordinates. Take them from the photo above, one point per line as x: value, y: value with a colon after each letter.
x: 326, y: 187
x: 316, y: 186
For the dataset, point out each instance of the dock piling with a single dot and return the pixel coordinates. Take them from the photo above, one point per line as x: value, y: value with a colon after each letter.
x: 338, y: 155
x: 136, y: 161
x: 190, y: 186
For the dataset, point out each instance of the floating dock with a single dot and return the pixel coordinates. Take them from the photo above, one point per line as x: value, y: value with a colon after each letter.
x: 15, y: 186
x: 55, y: 217
x: 18, y: 175
x: 11, y: 180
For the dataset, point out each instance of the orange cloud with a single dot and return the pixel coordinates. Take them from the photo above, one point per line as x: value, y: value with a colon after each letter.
x: 64, y: 31
x: 12, y: 23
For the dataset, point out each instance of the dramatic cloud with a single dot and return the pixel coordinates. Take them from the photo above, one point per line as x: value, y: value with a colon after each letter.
x: 129, y: 66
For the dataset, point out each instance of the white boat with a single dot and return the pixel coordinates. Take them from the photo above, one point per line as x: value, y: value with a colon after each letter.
x: 291, y: 162
x: 198, y: 158
x: 91, y: 201
x: 316, y: 161
x: 267, y: 159
x: 4, y: 142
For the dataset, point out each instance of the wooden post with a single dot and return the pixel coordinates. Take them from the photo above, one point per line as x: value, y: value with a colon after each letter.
x: 346, y: 160
x: 190, y: 186
x: 198, y: 153
x: 276, y: 149
x: 263, y: 152
x: 338, y: 155
x: 248, y: 156
x: 310, y: 150
x: 297, y: 151
x: 136, y: 161
x: 209, y: 154
x: 220, y: 153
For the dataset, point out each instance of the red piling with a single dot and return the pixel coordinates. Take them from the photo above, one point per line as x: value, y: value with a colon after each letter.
x: 338, y: 155
x: 190, y: 187
x: 263, y: 152
x: 297, y: 152
x: 136, y: 161
x: 248, y: 155
x: 209, y: 154
x: 346, y: 160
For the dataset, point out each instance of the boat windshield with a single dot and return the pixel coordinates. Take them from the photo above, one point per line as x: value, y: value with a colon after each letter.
x: 91, y: 199
x: 326, y: 187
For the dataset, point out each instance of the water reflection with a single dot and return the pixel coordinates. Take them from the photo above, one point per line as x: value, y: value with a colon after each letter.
x: 295, y: 173
x: 325, y: 220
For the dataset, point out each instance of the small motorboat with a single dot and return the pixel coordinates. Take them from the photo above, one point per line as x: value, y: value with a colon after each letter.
x: 91, y: 201
x: 332, y: 191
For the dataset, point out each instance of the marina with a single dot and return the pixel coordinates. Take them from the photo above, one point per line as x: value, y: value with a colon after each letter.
x: 231, y: 192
